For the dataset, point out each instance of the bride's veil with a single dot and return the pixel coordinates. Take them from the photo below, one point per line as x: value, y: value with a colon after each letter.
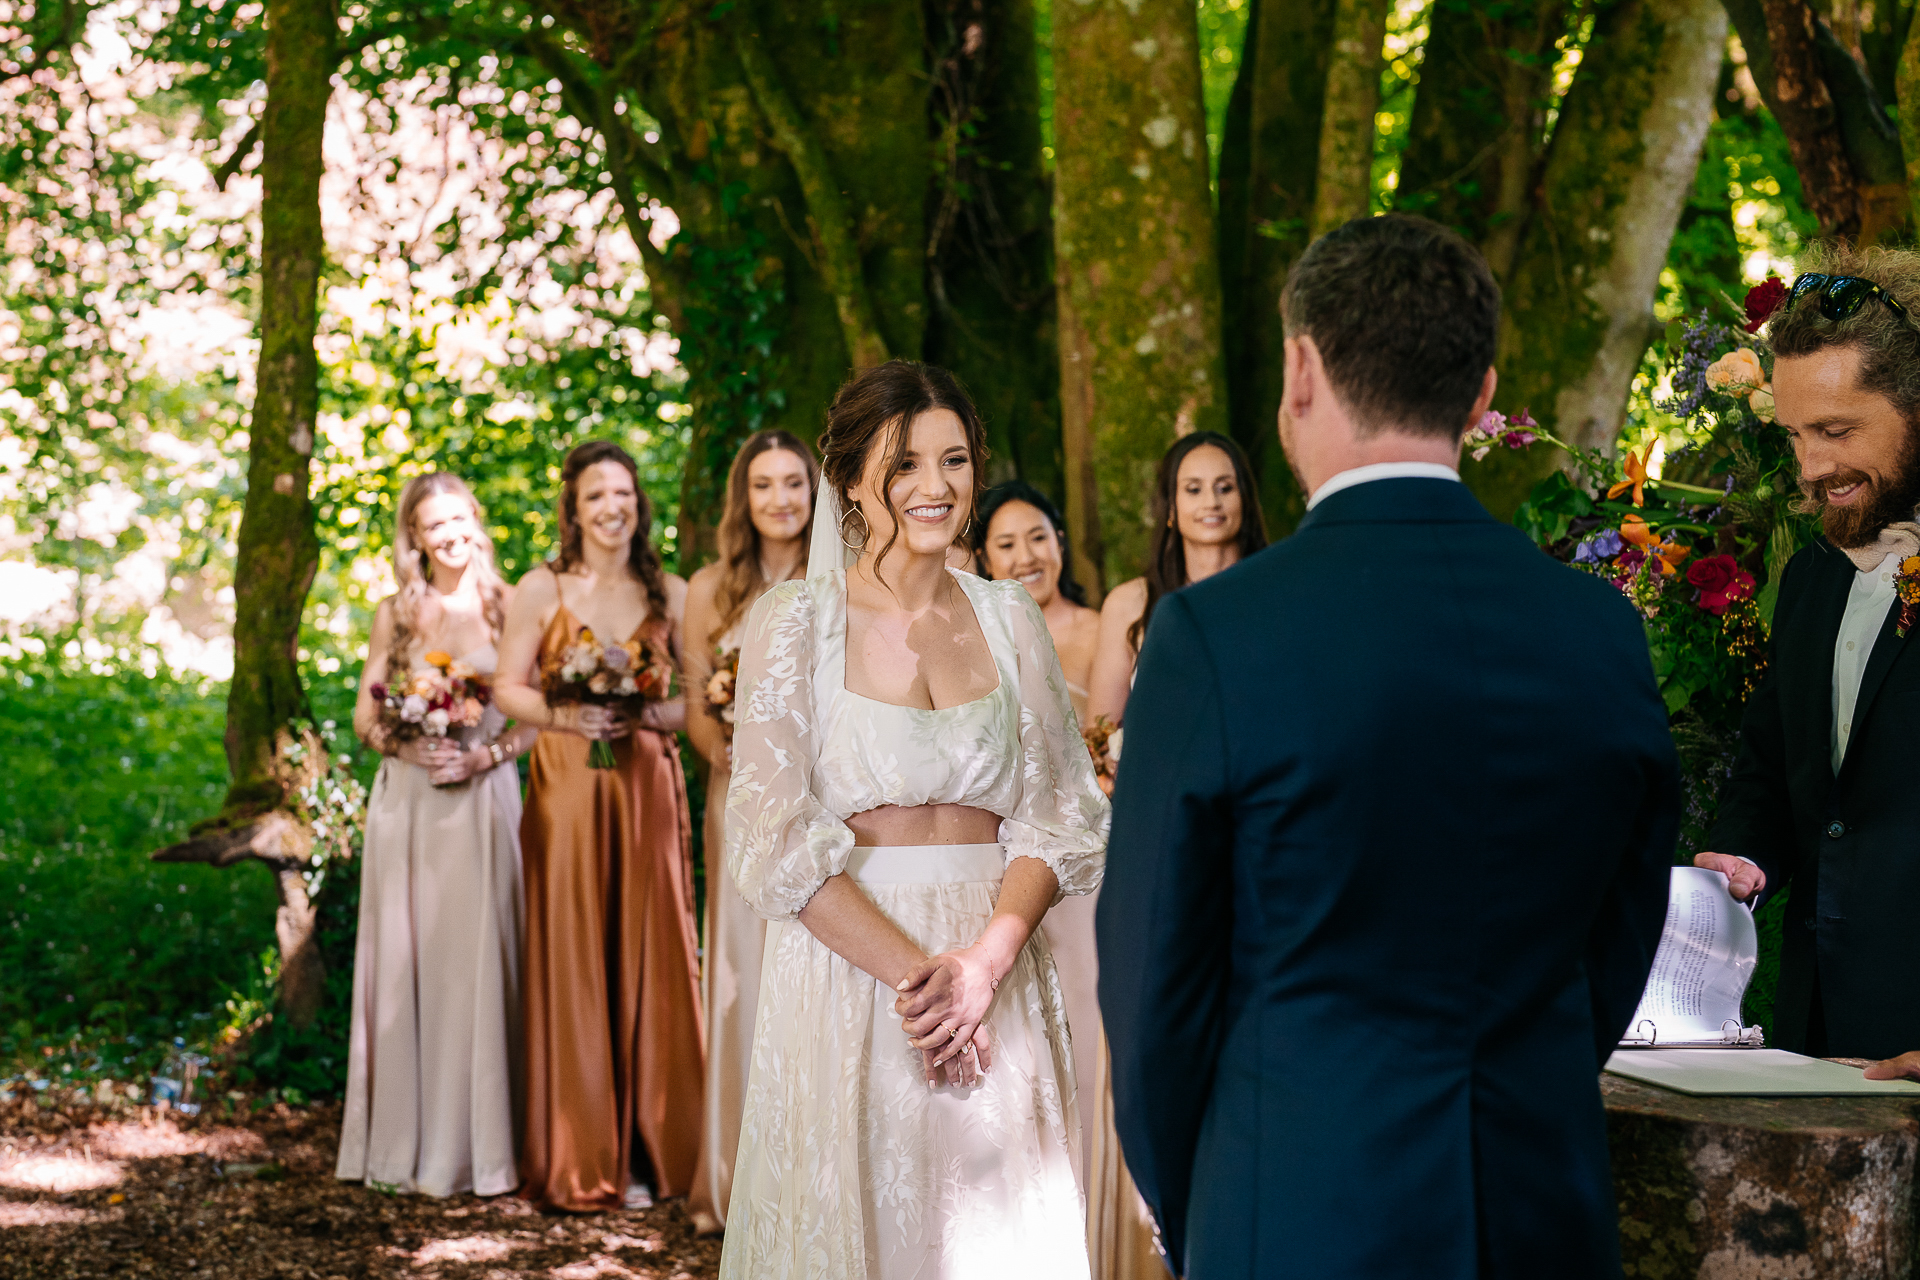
x: 826, y: 552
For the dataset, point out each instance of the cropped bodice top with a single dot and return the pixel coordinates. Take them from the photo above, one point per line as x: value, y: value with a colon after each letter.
x: 808, y: 754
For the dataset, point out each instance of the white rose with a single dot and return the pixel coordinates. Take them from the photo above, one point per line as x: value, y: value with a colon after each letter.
x: 436, y: 723
x: 414, y: 709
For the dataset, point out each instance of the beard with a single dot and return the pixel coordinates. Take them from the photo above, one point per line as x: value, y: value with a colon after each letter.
x: 1886, y: 500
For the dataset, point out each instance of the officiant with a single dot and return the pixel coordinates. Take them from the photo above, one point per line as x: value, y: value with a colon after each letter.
x: 1822, y: 797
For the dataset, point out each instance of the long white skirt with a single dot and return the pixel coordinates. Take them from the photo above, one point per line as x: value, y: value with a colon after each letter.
x: 850, y: 1167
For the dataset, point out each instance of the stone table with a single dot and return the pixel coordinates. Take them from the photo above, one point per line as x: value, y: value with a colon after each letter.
x: 1759, y: 1188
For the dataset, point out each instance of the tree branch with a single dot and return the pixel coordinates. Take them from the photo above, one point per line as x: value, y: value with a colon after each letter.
x: 831, y: 224
x: 241, y: 150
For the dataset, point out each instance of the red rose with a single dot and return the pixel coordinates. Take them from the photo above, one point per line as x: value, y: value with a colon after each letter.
x: 1763, y: 300
x: 1720, y: 582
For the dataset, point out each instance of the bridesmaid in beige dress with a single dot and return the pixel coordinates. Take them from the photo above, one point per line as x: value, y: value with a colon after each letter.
x: 433, y: 1058
x: 1206, y: 519
x: 763, y: 540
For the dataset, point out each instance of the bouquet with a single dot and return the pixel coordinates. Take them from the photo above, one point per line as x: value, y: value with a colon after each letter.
x: 1103, y: 744
x: 626, y: 676
x: 720, y: 685
x: 448, y: 695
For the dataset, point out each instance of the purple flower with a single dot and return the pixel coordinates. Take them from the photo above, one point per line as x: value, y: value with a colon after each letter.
x: 615, y: 658
x: 1604, y: 545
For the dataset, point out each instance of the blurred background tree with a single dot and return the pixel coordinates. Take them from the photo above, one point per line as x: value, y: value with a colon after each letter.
x: 670, y: 222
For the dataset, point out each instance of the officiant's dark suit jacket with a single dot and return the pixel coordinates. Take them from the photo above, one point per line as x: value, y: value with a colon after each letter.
x: 1388, y: 870
x: 1848, y: 845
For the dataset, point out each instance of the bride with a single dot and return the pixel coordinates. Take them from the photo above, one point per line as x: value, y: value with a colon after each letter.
x: 910, y: 794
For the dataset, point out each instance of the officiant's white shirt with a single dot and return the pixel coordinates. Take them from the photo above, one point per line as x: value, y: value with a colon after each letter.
x: 1380, y: 471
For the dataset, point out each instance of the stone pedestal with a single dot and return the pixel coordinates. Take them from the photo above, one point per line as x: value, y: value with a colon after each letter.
x: 1759, y: 1188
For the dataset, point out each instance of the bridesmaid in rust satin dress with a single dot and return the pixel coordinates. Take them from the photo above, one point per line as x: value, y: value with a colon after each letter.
x: 614, y: 1032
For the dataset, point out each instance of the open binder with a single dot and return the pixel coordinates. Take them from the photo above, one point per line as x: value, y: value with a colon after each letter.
x: 1708, y: 950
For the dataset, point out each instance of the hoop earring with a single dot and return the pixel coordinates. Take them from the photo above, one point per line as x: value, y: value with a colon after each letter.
x: 866, y: 530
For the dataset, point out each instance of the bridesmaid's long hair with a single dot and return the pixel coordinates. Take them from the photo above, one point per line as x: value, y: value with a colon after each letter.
x: 871, y: 402
x: 642, y: 559
x: 740, y: 576
x: 413, y: 564
x: 1167, y: 556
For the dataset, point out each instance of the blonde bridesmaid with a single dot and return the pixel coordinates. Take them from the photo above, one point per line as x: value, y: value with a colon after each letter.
x: 763, y: 540
x: 433, y: 1056
x: 614, y: 1033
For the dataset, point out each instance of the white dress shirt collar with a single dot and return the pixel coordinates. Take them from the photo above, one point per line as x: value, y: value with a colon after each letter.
x: 1380, y: 471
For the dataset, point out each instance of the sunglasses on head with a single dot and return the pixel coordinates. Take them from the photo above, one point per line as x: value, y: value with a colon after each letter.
x: 1841, y: 297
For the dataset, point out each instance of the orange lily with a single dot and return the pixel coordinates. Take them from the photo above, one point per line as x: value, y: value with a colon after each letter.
x: 1669, y: 553
x: 1636, y: 478
x: 438, y: 659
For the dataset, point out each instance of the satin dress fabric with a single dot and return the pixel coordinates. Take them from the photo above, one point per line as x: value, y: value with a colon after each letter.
x: 434, y: 1052
x: 614, y: 1028
x: 850, y: 1167
x: 1120, y: 1238
x: 736, y: 942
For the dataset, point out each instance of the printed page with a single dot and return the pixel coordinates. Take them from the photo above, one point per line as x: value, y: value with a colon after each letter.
x: 1754, y: 1073
x: 1707, y: 954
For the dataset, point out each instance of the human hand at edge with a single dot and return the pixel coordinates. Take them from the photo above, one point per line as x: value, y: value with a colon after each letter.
x: 945, y: 998
x: 1744, y: 880
x: 1904, y: 1067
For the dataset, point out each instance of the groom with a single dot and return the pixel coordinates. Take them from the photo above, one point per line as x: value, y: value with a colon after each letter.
x: 1390, y: 838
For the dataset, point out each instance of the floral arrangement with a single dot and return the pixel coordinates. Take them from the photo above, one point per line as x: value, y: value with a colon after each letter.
x: 448, y: 695
x: 1103, y: 744
x: 1695, y: 539
x: 720, y: 685
x: 1906, y: 585
x: 626, y: 676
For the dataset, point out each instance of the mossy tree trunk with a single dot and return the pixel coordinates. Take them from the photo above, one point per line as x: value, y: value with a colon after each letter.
x: 1344, y: 190
x: 1137, y: 265
x: 1474, y: 145
x: 268, y: 749
x: 990, y: 293
x: 773, y: 133
x: 1269, y: 161
x: 1579, y: 299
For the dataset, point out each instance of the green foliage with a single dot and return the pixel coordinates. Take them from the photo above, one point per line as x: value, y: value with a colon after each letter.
x: 96, y: 941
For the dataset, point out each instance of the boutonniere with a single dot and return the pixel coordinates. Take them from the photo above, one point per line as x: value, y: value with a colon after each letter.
x: 1907, y: 584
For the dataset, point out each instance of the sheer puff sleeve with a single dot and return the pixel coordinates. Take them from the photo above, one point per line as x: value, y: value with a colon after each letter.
x: 781, y: 843
x: 1061, y: 815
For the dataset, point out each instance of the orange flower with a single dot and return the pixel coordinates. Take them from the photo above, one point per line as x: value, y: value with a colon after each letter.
x: 1636, y: 479
x: 438, y: 659
x: 1669, y: 553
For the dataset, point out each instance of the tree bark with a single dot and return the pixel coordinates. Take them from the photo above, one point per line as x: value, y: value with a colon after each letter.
x: 1847, y: 152
x: 278, y: 551
x: 1344, y: 190
x: 1269, y: 163
x: 991, y: 312
x: 1475, y: 143
x: 1908, y: 82
x: 1578, y: 310
x: 1136, y: 262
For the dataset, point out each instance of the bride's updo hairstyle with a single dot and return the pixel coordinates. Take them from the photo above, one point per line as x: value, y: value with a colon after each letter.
x: 873, y: 409
x: 413, y: 564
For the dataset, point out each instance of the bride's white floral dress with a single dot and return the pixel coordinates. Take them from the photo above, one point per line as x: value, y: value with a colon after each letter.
x: 850, y: 1167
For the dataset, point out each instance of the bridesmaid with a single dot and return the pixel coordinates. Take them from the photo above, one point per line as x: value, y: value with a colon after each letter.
x: 614, y: 1070
x: 763, y: 540
x: 1206, y: 517
x: 1022, y: 536
x: 433, y: 1058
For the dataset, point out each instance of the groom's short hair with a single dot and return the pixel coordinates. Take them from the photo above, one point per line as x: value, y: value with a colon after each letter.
x: 1405, y: 314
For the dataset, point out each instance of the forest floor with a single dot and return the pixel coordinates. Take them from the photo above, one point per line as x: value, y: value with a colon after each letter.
x: 88, y: 1191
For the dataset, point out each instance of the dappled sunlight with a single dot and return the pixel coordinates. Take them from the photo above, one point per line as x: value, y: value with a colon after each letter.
x: 71, y: 1171
x: 41, y: 1214
x: 465, y: 1249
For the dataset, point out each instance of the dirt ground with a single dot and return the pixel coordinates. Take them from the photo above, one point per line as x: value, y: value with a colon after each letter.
x: 87, y: 1192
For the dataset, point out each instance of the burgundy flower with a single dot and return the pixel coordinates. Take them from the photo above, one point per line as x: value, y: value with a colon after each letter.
x: 1763, y: 300
x: 1720, y: 582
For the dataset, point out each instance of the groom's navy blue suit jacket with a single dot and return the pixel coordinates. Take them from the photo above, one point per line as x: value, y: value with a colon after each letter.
x: 1388, y: 869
